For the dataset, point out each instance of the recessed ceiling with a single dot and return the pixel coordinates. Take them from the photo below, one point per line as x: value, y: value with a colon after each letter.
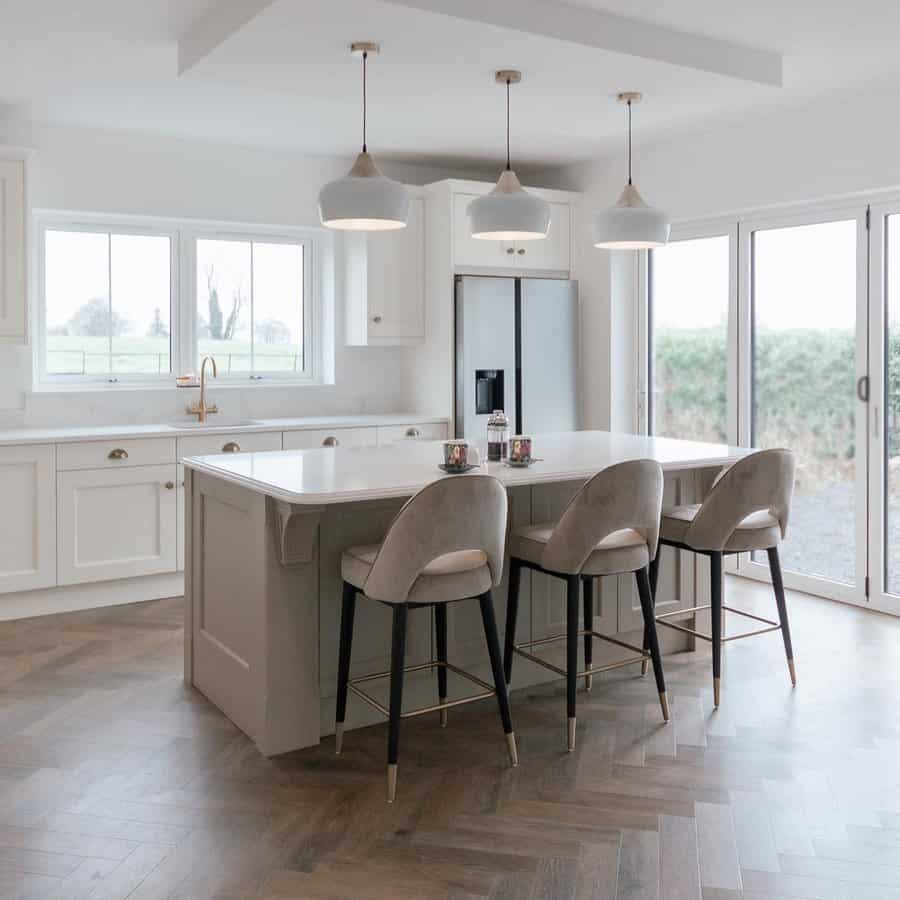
x: 285, y: 79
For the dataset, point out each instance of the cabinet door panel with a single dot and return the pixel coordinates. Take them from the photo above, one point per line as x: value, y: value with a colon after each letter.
x: 12, y: 248
x: 396, y: 279
x: 116, y: 524
x: 28, y: 523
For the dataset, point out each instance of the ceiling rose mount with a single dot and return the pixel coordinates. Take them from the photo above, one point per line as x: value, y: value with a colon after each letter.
x: 509, y: 212
x: 364, y: 200
x: 631, y: 224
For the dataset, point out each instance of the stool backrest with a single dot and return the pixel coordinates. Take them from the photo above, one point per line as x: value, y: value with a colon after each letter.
x: 626, y: 495
x: 451, y: 514
x: 762, y: 481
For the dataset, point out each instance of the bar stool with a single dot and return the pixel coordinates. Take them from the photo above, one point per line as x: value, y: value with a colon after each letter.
x: 445, y: 544
x: 746, y: 509
x: 610, y: 527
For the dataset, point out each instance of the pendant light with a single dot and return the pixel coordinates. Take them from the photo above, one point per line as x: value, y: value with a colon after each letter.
x: 509, y: 212
x: 630, y: 224
x: 364, y: 200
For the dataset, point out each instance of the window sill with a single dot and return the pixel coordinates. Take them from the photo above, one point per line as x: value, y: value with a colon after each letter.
x: 214, y: 384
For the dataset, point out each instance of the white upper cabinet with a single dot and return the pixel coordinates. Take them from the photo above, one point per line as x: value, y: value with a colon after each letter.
x: 28, y: 524
x: 550, y: 253
x: 12, y: 247
x: 385, y: 283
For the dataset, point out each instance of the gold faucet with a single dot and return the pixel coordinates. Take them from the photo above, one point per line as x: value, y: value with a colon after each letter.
x: 200, y: 409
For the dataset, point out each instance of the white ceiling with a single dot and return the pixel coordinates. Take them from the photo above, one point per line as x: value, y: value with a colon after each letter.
x: 285, y: 79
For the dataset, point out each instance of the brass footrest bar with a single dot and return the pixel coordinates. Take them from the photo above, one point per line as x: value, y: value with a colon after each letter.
x: 642, y: 654
x: 421, y: 711
x: 773, y: 626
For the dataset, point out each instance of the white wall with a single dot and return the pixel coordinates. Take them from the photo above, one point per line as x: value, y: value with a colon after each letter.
x: 96, y: 171
x: 833, y: 149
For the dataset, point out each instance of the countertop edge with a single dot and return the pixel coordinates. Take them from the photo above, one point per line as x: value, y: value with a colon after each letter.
x: 12, y: 437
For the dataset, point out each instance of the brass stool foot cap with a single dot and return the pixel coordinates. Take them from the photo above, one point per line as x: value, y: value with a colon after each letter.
x: 589, y: 679
x: 338, y: 738
x: 391, y: 782
x: 570, y: 743
x: 793, y: 672
x: 664, y: 704
x: 443, y: 712
x: 717, y: 691
x: 511, y: 749
x: 645, y: 665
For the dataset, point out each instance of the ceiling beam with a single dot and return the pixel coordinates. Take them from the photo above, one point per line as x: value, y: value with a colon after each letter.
x: 221, y: 21
x: 594, y: 28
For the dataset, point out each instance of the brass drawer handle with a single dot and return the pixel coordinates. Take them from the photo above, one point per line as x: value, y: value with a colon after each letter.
x: 231, y: 447
x: 118, y: 453
x: 170, y: 485
x: 412, y: 432
x: 330, y: 442
x: 521, y: 251
x: 510, y: 250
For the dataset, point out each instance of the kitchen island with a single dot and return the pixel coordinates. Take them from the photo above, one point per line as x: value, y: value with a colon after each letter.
x: 265, y: 532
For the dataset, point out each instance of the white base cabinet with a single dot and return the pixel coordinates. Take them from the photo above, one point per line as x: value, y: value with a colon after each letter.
x: 116, y: 523
x: 28, y: 523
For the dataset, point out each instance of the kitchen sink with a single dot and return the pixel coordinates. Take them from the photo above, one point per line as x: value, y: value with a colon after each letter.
x: 214, y: 421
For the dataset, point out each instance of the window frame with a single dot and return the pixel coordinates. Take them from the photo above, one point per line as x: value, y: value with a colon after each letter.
x: 183, y: 234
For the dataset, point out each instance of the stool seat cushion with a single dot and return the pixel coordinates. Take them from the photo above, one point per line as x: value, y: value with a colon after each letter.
x: 624, y: 550
x: 758, y: 531
x: 453, y: 576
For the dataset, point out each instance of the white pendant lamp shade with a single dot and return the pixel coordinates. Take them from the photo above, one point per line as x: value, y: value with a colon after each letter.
x: 509, y: 212
x: 631, y: 224
x: 364, y: 199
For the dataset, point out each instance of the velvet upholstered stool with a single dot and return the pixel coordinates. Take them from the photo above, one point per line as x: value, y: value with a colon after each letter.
x: 746, y: 510
x: 446, y: 544
x: 610, y: 527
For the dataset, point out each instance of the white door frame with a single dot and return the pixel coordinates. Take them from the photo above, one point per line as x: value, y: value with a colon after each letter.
x: 810, y: 215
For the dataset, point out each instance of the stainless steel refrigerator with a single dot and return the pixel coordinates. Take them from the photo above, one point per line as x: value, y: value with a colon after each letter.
x: 516, y: 350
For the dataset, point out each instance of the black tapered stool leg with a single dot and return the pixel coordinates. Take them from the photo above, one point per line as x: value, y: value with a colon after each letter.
x: 778, y: 584
x: 440, y: 639
x: 348, y: 608
x: 651, y: 638
x: 654, y: 580
x: 572, y: 598
x: 398, y: 653
x: 588, y: 587
x: 493, y: 647
x: 715, y: 566
x: 512, y: 612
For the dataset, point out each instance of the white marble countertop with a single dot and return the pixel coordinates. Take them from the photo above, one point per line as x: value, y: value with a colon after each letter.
x: 223, y: 425
x: 350, y: 474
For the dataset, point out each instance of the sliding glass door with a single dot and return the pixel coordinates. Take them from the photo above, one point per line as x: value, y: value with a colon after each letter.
x: 804, y: 350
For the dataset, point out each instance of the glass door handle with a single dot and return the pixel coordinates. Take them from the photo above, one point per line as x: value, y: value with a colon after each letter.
x: 862, y: 388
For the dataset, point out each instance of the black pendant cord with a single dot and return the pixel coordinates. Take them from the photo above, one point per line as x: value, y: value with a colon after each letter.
x: 365, y: 56
x: 629, y: 142
x: 508, y: 166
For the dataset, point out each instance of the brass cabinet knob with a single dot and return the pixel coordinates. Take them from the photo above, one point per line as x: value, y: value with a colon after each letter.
x: 521, y: 251
x: 118, y: 453
x: 330, y: 442
x: 231, y: 447
x: 412, y: 432
x: 510, y: 250
x: 376, y: 320
x: 170, y: 485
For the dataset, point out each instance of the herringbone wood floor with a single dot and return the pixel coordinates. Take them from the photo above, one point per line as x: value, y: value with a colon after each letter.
x: 118, y: 781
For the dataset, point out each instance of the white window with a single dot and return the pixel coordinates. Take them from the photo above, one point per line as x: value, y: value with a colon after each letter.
x: 138, y: 302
